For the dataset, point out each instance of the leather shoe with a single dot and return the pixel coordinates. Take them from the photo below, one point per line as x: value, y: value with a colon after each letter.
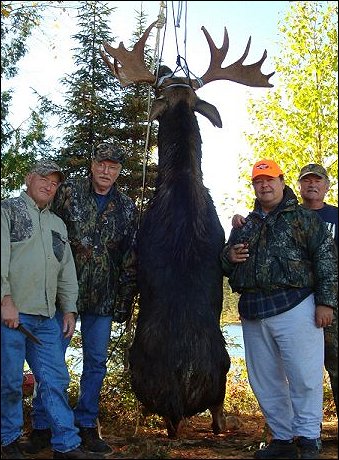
x: 78, y: 453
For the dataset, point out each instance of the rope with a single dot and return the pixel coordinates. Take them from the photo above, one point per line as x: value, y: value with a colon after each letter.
x: 161, y: 22
x: 181, y: 65
x: 177, y: 22
x: 181, y: 62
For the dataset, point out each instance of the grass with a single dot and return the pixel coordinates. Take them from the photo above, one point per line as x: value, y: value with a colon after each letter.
x: 119, y: 407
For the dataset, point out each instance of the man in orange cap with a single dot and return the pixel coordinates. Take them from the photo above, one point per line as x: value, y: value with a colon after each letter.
x: 314, y: 184
x: 283, y: 263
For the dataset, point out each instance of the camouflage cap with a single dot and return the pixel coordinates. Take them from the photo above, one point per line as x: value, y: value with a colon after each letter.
x: 108, y: 151
x: 313, y: 168
x: 46, y: 167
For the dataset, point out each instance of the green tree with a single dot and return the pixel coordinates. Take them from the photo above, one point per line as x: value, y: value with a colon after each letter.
x: 96, y: 107
x: 135, y: 133
x: 19, y: 144
x: 296, y: 123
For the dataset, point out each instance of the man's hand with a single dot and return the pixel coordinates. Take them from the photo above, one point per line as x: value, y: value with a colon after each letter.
x: 69, y: 322
x: 121, y: 315
x: 238, y: 221
x: 9, y: 312
x: 323, y: 315
x: 238, y: 253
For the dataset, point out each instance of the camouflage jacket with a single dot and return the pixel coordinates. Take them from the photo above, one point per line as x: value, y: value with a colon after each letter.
x: 289, y: 248
x: 102, y: 245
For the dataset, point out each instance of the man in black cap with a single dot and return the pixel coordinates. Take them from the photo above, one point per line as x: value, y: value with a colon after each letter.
x: 313, y: 185
x: 101, y: 223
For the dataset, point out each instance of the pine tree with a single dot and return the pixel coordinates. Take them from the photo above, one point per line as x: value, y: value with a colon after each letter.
x: 96, y: 107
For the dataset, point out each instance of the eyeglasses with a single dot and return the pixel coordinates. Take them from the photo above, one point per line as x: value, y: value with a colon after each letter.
x: 112, y: 168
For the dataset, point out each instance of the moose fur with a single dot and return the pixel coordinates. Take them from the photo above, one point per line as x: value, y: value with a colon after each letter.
x: 178, y: 359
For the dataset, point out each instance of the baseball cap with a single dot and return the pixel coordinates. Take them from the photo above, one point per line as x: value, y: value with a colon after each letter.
x: 108, y: 151
x: 313, y: 168
x: 266, y: 168
x: 46, y: 167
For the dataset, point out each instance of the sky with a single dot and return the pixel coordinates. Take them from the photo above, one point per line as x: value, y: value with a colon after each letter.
x: 50, y: 58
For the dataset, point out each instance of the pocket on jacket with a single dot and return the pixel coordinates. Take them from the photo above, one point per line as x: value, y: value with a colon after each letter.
x: 59, y: 242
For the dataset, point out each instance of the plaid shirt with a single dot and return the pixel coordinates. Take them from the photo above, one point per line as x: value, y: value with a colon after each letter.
x: 259, y: 305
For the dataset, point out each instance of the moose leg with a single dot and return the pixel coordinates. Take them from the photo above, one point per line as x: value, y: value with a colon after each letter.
x: 218, y: 418
x: 173, y: 427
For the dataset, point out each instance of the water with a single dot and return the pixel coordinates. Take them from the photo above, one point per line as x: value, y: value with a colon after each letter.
x: 232, y: 333
x: 234, y: 340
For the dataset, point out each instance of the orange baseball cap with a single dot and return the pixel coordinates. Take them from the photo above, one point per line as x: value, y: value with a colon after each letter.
x: 266, y: 168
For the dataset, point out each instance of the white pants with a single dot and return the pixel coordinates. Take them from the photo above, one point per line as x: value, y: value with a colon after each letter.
x: 285, y: 361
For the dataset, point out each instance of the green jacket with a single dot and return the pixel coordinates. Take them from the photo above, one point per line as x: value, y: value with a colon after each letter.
x: 37, y: 266
x: 102, y: 245
x: 290, y: 248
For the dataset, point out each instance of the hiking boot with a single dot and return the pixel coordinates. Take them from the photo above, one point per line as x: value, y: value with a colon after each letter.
x: 37, y: 441
x: 92, y: 442
x: 278, y: 449
x: 12, y: 450
x: 309, y: 448
x: 79, y: 452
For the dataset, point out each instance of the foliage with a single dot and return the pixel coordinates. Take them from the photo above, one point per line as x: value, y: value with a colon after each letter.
x: 239, y: 397
x: 230, y: 305
x: 92, y: 95
x: 122, y: 413
x: 18, y: 19
x: 135, y: 132
x: 297, y: 122
x: 20, y: 144
x: 95, y: 107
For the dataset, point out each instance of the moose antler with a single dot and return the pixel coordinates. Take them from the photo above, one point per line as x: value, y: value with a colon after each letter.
x: 249, y: 75
x: 129, y: 66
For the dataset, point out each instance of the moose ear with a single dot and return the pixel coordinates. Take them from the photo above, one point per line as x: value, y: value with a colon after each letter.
x: 209, y: 111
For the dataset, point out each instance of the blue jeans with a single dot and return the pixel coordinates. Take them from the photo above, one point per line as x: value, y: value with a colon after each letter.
x: 95, y: 334
x: 38, y: 414
x: 47, y: 363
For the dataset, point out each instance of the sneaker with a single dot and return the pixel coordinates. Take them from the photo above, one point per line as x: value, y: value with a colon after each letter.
x: 309, y: 448
x: 92, y: 442
x: 37, y: 441
x: 12, y: 450
x: 79, y: 452
x: 278, y: 449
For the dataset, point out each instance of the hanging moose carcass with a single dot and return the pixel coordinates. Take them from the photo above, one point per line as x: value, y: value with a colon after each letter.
x: 178, y: 358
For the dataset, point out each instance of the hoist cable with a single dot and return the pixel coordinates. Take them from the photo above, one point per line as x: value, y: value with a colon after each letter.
x: 176, y: 22
x: 161, y: 22
x: 181, y: 65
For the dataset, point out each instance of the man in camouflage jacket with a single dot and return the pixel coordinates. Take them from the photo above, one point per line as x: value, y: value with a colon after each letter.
x: 283, y: 263
x: 314, y: 183
x: 101, y: 223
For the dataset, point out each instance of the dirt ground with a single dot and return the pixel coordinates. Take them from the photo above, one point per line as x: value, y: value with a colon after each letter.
x: 239, y: 441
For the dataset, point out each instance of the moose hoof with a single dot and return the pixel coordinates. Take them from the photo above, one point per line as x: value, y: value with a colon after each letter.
x: 173, y: 429
x: 219, y: 424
